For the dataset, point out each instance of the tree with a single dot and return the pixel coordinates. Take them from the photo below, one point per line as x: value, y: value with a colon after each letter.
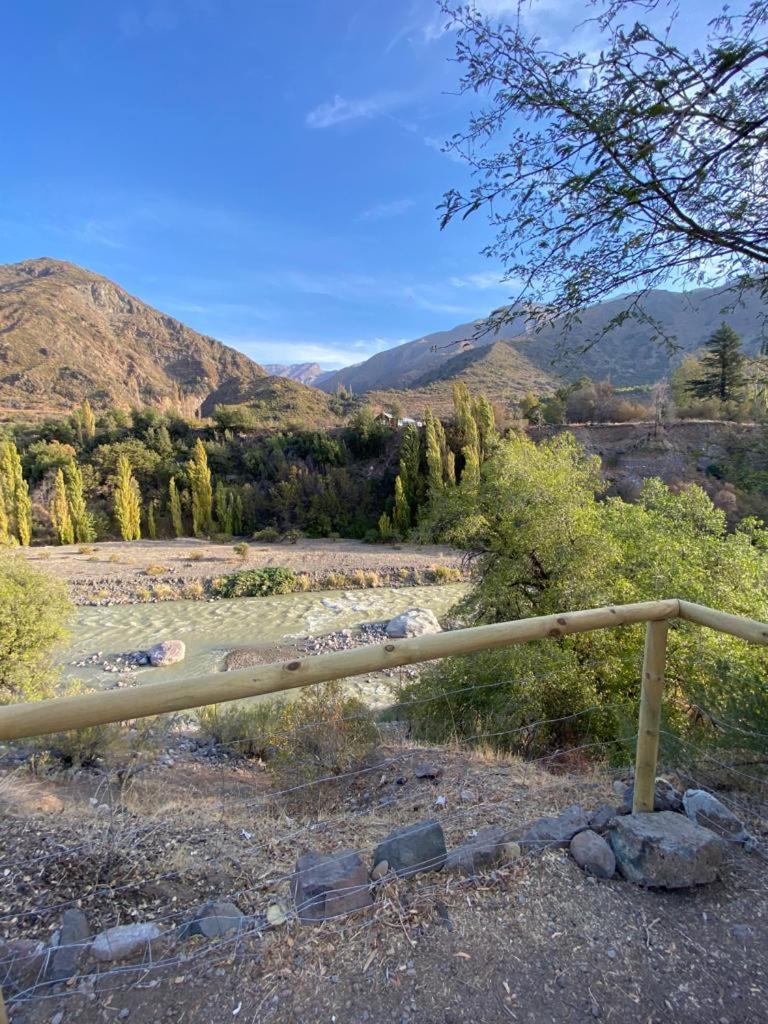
x: 127, y: 501
x: 470, y: 475
x: 82, y: 520
x: 174, y: 508
x: 410, y: 458
x: 401, y: 517
x: 223, y: 504
x: 434, y: 455
x: 60, y: 515
x: 5, y: 534
x: 16, y: 492
x: 151, y: 524
x: 34, y: 610
x: 723, y: 367
x: 86, y: 421
x: 619, y: 166
x: 202, y: 491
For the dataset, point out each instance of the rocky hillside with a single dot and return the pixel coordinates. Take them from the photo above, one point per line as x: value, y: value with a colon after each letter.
x: 304, y: 373
x: 629, y: 355
x: 67, y: 333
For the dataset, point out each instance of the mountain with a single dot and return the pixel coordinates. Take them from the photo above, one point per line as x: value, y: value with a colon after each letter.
x: 304, y: 373
x: 67, y: 334
x: 628, y: 355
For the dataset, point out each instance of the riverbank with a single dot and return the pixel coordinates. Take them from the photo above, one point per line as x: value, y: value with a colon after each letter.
x: 147, y: 571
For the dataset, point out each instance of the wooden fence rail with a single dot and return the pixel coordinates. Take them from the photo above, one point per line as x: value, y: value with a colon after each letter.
x: 60, y: 713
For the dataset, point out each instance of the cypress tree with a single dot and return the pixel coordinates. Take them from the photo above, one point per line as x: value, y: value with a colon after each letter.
x: 401, y: 518
x: 82, y: 521
x: 223, y: 508
x: 434, y: 455
x: 151, y: 524
x: 174, y: 508
x: 723, y: 365
x: 410, y: 456
x: 202, y: 492
x: 87, y: 420
x: 127, y: 501
x: 60, y: 517
x: 236, y: 511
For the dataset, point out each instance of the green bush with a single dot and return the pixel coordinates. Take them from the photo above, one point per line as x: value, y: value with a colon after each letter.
x: 257, y: 582
x: 34, y: 612
x: 269, y: 535
x: 245, y: 729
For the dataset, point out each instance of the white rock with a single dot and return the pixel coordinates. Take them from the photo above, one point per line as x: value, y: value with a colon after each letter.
x: 124, y: 940
x: 413, y: 622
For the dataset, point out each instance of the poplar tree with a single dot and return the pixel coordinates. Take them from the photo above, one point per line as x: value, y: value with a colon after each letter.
x: 486, y: 424
x: 236, y: 507
x: 18, y: 505
x: 410, y: 457
x: 202, y: 492
x: 82, y: 521
x: 5, y: 536
x: 470, y: 475
x: 127, y: 501
x: 151, y: 524
x: 434, y: 455
x: 174, y: 508
x: 60, y: 516
x: 87, y: 420
x: 223, y: 505
x: 401, y: 517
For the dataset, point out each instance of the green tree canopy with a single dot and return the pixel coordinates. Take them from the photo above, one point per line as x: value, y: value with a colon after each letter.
x: 723, y: 367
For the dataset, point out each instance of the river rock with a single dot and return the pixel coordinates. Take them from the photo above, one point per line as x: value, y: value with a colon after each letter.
x: 488, y: 849
x: 593, y: 854
x: 413, y: 622
x: 665, y: 850
x: 556, y: 831
x: 167, y: 652
x: 124, y: 940
x: 326, y: 886
x: 214, y: 919
x: 413, y: 848
x: 706, y: 810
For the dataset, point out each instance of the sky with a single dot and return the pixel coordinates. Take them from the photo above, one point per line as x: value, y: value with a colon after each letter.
x: 267, y: 171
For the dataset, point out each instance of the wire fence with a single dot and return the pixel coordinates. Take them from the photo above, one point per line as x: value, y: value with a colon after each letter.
x: 264, y: 857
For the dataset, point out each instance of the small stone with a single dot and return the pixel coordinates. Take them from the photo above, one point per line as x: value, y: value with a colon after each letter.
x: 742, y: 931
x: 427, y: 771
x: 326, y: 887
x: 276, y: 915
x: 490, y: 848
x: 556, y: 831
x: 124, y: 1014
x: 706, y: 810
x: 74, y: 939
x: 124, y: 940
x: 593, y: 854
x: 168, y: 652
x: 666, y: 850
x: 413, y: 848
x: 213, y: 919
x: 57, y: 1018
x: 381, y: 870
x: 468, y: 796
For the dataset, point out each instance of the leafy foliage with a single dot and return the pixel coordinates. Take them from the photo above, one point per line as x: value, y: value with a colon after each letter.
x: 273, y: 579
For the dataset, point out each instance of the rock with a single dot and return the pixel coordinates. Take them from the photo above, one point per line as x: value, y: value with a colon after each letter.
x: 413, y: 848
x: 326, y: 886
x: 592, y: 853
x: 706, y: 810
x: 22, y: 963
x: 665, y: 797
x: 124, y: 940
x: 488, y: 849
x: 557, y: 831
x: 468, y: 796
x: 414, y: 622
x: 427, y: 771
x: 74, y: 940
x: 598, y: 821
x: 665, y: 849
x: 214, y: 919
x: 168, y: 652
x: 276, y: 915
x: 381, y: 870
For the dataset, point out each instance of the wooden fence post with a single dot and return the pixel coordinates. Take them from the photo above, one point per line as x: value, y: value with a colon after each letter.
x: 652, y: 688
x: 3, y: 1014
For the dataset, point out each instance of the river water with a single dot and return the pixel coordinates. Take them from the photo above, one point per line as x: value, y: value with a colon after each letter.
x: 210, y: 629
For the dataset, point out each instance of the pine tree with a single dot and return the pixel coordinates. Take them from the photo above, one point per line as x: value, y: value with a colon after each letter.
x: 202, y: 492
x: 82, y: 521
x: 434, y: 455
x: 127, y: 501
x: 723, y: 365
x: 60, y: 517
x: 174, y: 508
x: 401, y: 518
x: 151, y: 524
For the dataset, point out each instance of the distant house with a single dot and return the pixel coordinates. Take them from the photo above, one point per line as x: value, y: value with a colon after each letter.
x: 388, y: 419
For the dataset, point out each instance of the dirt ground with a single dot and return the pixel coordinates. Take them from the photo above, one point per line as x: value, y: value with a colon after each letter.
x: 534, y: 941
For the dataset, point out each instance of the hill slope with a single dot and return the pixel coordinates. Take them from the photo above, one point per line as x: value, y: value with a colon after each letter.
x: 628, y: 355
x: 67, y: 333
x: 304, y: 373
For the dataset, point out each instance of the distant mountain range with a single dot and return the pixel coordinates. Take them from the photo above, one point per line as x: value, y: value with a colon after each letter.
x: 68, y: 334
x: 628, y: 355
x: 304, y: 373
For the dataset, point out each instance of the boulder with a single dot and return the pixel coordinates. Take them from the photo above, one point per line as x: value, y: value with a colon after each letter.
x: 326, y: 886
x: 665, y: 850
x: 598, y: 821
x: 593, y: 854
x: 214, y: 919
x: 665, y: 797
x: 22, y: 963
x: 488, y: 849
x: 168, y: 652
x: 413, y: 848
x: 558, y: 831
x: 427, y: 771
x: 414, y: 622
x: 706, y: 810
x: 74, y: 940
x: 124, y: 940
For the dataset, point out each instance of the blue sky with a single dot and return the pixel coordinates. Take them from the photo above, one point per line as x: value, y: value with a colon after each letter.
x: 266, y: 171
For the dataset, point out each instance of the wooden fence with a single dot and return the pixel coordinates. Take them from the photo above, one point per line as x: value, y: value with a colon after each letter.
x: 60, y: 713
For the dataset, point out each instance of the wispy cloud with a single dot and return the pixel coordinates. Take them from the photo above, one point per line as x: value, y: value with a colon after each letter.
x: 385, y: 211
x: 329, y: 356
x: 481, y: 281
x: 339, y: 110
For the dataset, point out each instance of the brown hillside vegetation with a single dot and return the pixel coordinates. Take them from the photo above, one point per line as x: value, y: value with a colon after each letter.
x: 67, y: 333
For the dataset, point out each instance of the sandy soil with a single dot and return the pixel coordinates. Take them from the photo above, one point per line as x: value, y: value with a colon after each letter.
x: 535, y: 941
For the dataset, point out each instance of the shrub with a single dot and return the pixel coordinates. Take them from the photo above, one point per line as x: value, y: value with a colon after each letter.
x: 85, y: 549
x: 143, y: 594
x: 194, y: 556
x: 156, y: 570
x: 335, y: 581
x: 164, y: 592
x: 365, y: 578
x: 34, y: 611
x: 242, y: 550
x: 245, y: 729
x: 222, y: 538
x: 193, y: 591
x: 291, y: 536
x: 303, y: 582
x: 269, y: 535
x: 256, y: 582
x: 442, y: 574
